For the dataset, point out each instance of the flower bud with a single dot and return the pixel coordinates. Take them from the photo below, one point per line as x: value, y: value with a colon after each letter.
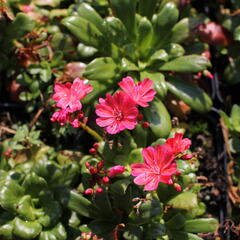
x: 116, y: 170
x: 92, y: 151
x: 105, y: 179
x: 96, y: 145
x: 93, y: 170
x: 177, y: 187
x: 89, y: 191
x: 145, y: 124
x: 140, y: 117
x: 87, y: 164
x: 100, y: 165
x: 187, y: 156
x: 99, y: 190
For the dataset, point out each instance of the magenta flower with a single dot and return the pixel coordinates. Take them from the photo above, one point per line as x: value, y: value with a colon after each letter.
x: 68, y: 95
x: 178, y: 144
x: 116, y: 113
x: 158, y: 167
x: 141, y: 93
x: 116, y: 170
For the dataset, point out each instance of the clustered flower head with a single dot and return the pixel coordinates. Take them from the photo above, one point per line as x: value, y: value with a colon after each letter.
x: 99, y: 176
x: 119, y: 112
x: 67, y: 97
x: 159, y: 163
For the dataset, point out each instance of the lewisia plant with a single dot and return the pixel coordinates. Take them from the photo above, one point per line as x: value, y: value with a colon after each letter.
x: 119, y: 112
x: 159, y: 163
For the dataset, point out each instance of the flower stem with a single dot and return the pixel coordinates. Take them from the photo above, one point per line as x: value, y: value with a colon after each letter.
x: 90, y: 131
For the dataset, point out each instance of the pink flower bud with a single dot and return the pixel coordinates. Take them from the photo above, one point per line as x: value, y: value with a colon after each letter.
x: 99, y: 190
x: 93, y: 170
x: 88, y: 191
x: 116, y: 170
x: 187, y: 156
x: 105, y: 179
x: 177, y: 187
x: 96, y: 145
x: 140, y: 117
x: 100, y: 165
x: 145, y: 124
x: 87, y: 164
x: 92, y: 151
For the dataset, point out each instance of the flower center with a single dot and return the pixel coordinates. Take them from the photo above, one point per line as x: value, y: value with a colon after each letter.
x: 118, y: 115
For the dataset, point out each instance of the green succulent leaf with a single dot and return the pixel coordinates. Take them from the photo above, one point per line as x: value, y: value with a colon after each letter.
x: 87, y: 12
x: 125, y: 11
x: 86, y: 51
x: 159, y: 118
x: 174, y: 50
x: 140, y: 136
x: 6, y: 231
x: 33, y: 184
x: 145, y: 35
x: 180, y: 235
x: 121, y: 191
x: 192, y: 95
x: 235, y: 117
x: 84, y: 30
x: 10, y: 194
x: 116, y: 32
x: 147, y: 8
x: 184, y: 200
x: 76, y: 202
x: 180, y: 32
x: 176, y: 222
x: 147, y: 211
x: 232, y: 72
x: 164, y: 21
x: 21, y: 25
x: 102, y: 69
x: 58, y: 232
x: 26, y: 229
x: 203, y: 225
x: 188, y: 63
x: 133, y: 232
x: 154, y: 230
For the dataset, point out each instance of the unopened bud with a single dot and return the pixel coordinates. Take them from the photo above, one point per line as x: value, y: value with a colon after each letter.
x: 93, y: 170
x: 206, y: 73
x: 105, y: 179
x: 177, y: 187
x: 140, y: 117
x: 145, y: 124
x: 99, y: 190
x: 80, y: 115
x: 88, y: 191
x: 100, y: 165
x: 92, y: 151
x: 87, y: 164
x: 96, y: 145
x: 178, y: 173
x: 187, y: 156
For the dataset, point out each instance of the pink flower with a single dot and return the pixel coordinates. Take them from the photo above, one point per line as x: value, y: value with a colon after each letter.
x: 141, y: 92
x: 116, y: 170
x: 69, y: 95
x: 158, y: 167
x: 116, y: 113
x: 178, y: 144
